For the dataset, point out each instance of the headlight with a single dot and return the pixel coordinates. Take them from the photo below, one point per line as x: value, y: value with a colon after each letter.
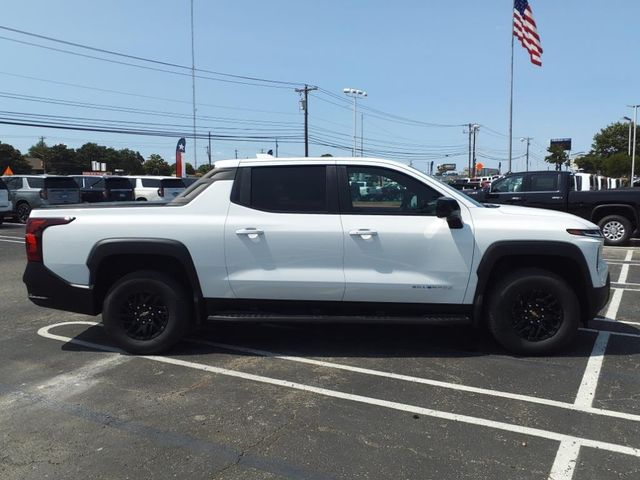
x: 595, y: 233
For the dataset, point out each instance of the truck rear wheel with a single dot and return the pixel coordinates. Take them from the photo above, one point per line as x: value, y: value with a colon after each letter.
x: 533, y: 312
x: 615, y: 229
x: 23, y: 209
x: 146, y: 312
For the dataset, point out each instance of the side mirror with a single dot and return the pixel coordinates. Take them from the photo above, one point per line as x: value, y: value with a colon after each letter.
x: 447, y: 207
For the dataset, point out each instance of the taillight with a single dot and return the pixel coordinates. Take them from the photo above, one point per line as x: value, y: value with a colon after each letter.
x: 161, y: 192
x: 43, y: 193
x: 33, y: 235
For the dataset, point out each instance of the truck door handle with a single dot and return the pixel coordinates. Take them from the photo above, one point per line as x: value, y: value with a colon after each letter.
x: 516, y: 198
x: 556, y: 198
x: 251, y: 232
x: 365, y: 233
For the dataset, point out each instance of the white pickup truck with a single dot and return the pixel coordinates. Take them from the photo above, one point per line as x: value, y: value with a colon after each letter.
x: 285, y: 239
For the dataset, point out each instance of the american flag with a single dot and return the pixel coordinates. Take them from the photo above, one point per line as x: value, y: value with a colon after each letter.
x: 524, y: 28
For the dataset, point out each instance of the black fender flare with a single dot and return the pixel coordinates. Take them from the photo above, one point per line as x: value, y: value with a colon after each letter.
x: 622, y: 206
x: 163, y: 247
x: 540, y: 248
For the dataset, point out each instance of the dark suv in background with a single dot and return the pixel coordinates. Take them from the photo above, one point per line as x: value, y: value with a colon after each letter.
x: 32, y: 191
x: 95, y: 188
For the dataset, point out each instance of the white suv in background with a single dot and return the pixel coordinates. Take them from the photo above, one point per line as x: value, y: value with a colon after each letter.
x: 5, y: 203
x: 156, y: 188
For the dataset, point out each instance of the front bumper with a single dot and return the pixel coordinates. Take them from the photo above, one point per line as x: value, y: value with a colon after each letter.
x: 46, y: 289
x: 597, y: 298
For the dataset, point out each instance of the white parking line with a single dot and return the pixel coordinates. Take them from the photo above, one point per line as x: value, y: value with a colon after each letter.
x: 567, y: 456
x: 535, y: 432
x: 427, y: 381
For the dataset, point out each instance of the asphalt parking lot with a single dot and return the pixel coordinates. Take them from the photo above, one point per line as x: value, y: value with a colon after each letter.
x: 274, y: 401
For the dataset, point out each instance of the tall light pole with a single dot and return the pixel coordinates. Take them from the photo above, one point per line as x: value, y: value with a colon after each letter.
x: 627, y: 119
x: 354, y: 93
x: 633, y: 150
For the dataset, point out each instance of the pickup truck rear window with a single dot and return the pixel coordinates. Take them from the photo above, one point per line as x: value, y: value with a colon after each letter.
x: 58, y: 182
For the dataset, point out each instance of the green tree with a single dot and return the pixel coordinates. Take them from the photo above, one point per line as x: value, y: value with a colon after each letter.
x: 590, y: 163
x: 132, y: 163
x: 617, y: 165
x: 62, y: 160
x: 156, y: 165
x: 11, y: 157
x: 91, y: 152
x: 204, y: 168
x: 557, y: 156
x: 188, y: 168
x: 610, y: 140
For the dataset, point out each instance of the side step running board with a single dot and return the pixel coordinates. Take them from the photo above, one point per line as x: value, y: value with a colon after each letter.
x: 440, y: 319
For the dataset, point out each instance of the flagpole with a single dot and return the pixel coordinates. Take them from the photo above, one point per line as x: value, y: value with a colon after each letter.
x: 511, y: 101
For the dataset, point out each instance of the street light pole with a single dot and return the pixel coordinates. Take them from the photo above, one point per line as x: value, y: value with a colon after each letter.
x: 355, y: 93
x: 627, y: 119
x: 528, y: 140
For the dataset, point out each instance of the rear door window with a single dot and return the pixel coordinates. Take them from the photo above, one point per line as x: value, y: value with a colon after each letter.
x: 39, y: 183
x: 543, y: 182
x: 151, y: 182
x: 295, y: 189
x: 118, y: 183
x: 59, y: 182
x: 2, y: 185
x: 172, y: 183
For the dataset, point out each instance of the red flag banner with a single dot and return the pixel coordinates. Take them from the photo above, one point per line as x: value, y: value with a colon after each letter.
x: 524, y: 28
x: 180, y: 164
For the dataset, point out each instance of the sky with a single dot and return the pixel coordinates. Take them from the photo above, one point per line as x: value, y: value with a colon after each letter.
x: 429, y: 69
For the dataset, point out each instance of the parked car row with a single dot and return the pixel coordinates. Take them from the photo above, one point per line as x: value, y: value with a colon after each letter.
x: 19, y: 194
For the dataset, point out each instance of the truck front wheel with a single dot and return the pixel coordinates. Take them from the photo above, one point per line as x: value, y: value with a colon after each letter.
x: 532, y: 312
x: 616, y: 230
x: 146, y: 312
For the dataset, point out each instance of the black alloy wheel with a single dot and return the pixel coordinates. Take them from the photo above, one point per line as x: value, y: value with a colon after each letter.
x: 146, y: 312
x: 536, y: 315
x: 23, y: 209
x: 532, y: 311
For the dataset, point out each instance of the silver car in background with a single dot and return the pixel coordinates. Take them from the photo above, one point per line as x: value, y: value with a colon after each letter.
x: 27, y: 192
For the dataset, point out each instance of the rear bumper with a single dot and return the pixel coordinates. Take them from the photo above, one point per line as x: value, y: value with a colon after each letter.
x: 46, y: 289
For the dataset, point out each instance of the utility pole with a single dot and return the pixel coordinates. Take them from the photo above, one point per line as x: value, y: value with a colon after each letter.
x: 473, y: 129
x: 528, y: 140
x: 469, y: 165
x: 633, y: 150
x: 209, y: 149
x: 304, y: 105
x: 193, y: 86
x: 362, y: 134
x: 276, y: 148
x: 236, y: 153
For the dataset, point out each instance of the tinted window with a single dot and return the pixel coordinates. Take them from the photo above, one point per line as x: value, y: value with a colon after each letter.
x: 78, y: 181
x: 512, y: 183
x: 39, y: 183
x: 118, y: 183
x: 98, y: 184
x: 289, y: 189
x: 172, y: 183
x: 388, y: 192
x: 543, y: 182
x: 151, y: 182
x: 13, y: 183
x: 58, y: 182
x: 2, y: 185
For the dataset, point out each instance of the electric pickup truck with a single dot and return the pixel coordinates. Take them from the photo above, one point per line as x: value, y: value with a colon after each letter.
x: 298, y: 239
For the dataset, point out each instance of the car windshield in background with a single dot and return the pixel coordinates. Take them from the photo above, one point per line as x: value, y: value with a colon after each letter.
x: 57, y: 182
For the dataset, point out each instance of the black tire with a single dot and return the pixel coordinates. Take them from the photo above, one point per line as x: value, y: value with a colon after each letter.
x: 533, y: 312
x: 141, y: 199
x: 616, y: 230
x: 23, y: 209
x: 146, y: 312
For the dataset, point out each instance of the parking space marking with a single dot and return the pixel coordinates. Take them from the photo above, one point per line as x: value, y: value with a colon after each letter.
x: 621, y: 334
x: 587, y: 390
x: 7, y: 239
x: 568, y: 453
x: 614, y: 304
x: 565, y: 462
x: 426, y: 381
x: 402, y: 407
